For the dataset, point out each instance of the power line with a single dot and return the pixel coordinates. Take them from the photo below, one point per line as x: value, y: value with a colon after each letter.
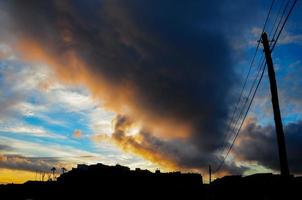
x: 249, y: 95
x: 259, y: 81
x: 268, y: 14
x: 277, y: 17
x: 281, y: 18
x: 233, y: 118
x: 245, y: 81
x: 239, y: 99
x: 282, y: 27
x: 245, y: 115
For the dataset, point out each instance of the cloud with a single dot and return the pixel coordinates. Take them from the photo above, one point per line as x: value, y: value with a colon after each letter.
x: 29, y: 92
x: 5, y: 147
x: 18, y: 83
x: 169, y: 71
x: 290, y: 85
x: 67, y: 156
x: 51, y: 149
x: 290, y: 38
x: 286, y: 38
x: 75, y: 101
x: 77, y: 133
x: 258, y: 144
x: 169, y: 154
x: 29, y: 130
x: 39, y: 112
x: 19, y: 162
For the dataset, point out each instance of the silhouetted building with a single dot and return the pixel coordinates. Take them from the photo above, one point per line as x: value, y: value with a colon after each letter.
x: 101, y: 181
x: 256, y: 186
x: 98, y: 172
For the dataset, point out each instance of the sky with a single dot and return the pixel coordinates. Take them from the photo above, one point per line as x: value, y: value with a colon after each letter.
x: 148, y: 84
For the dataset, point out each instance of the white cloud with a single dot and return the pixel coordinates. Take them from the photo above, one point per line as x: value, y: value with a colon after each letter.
x: 104, y: 153
x: 100, y: 121
x: 256, y: 31
x: 72, y: 100
x: 290, y: 38
x: 29, y: 109
x: 32, y: 92
x: 33, y: 149
x: 284, y: 39
x: 21, y: 128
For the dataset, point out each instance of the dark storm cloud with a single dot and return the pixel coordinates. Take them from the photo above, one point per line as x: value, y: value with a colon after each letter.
x: 4, y: 147
x: 19, y: 162
x: 258, y: 144
x: 175, y: 55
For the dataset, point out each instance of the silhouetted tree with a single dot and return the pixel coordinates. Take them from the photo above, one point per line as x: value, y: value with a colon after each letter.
x: 63, y: 170
x: 53, y: 170
x: 42, y: 175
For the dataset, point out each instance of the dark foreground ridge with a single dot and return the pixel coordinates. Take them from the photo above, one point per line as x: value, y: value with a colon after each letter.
x: 101, y: 181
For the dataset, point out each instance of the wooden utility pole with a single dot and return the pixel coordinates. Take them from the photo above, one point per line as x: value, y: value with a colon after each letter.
x: 210, y: 174
x: 277, y: 115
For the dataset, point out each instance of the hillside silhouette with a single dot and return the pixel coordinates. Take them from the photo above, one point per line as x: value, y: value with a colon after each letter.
x: 101, y: 181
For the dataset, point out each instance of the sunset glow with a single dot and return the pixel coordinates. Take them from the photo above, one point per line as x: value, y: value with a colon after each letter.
x: 148, y: 85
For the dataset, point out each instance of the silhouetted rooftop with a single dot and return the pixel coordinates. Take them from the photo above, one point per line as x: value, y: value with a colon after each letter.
x: 90, y: 181
x: 119, y: 173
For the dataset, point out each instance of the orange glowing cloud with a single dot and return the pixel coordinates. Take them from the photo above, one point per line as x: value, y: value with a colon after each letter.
x: 121, y: 98
x: 137, y: 145
x: 77, y: 133
x: 168, y: 82
x: 142, y: 143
